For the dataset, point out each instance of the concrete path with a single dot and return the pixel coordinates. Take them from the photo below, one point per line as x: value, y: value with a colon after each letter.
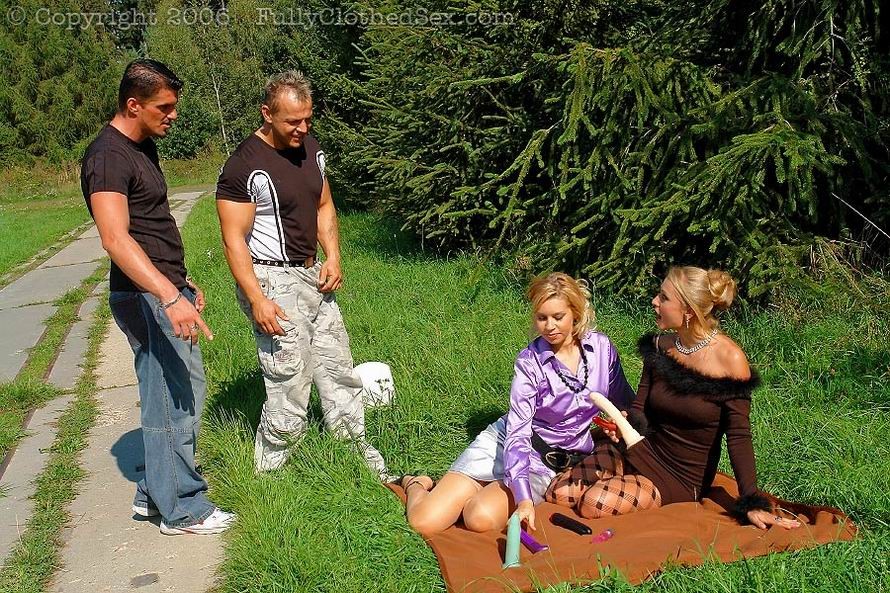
x: 103, y: 531
x: 67, y: 367
x: 28, y: 461
x: 106, y: 547
x: 26, y: 303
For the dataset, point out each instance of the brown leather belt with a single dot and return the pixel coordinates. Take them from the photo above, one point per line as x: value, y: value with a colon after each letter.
x: 307, y: 263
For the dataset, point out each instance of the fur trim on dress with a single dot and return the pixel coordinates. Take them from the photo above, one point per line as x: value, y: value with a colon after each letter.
x: 751, y: 502
x: 687, y: 381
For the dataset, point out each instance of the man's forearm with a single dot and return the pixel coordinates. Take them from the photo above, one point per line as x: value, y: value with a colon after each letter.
x: 328, y: 231
x: 126, y: 253
x: 241, y: 266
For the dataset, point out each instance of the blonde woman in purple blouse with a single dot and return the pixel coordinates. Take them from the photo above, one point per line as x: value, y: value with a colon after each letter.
x: 547, y: 428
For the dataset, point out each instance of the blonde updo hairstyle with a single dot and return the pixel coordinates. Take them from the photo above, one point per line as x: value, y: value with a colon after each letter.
x: 703, y: 291
x: 575, y: 293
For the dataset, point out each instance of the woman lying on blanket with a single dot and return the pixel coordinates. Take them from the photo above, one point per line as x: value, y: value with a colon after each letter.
x: 550, y: 410
x: 696, y: 387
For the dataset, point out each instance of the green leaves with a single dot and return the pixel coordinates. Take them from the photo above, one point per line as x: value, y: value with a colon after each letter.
x: 607, y: 139
x: 615, y: 153
x: 58, y: 85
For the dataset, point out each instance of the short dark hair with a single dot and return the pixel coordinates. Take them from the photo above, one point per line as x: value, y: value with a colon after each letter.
x: 143, y: 79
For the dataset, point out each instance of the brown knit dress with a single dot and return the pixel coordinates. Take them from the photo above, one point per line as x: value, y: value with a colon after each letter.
x: 684, y: 415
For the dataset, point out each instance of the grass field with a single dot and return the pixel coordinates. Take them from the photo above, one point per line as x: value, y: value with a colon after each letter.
x: 323, y: 523
x: 40, y: 205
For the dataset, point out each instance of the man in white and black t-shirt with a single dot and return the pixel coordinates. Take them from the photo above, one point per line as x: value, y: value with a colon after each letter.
x: 275, y: 207
x: 153, y: 301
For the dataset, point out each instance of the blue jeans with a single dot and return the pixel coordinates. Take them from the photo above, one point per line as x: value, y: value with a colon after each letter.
x: 171, y: 393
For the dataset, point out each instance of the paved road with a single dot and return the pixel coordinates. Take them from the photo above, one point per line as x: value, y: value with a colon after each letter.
x: 106, y: 548
x: 103, y: 531
x: 26, y: 303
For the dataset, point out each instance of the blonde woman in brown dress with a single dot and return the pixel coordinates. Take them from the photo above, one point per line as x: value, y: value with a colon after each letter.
x: 695, y: 390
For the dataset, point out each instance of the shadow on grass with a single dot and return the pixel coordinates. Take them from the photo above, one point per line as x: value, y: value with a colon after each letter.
x: 870, y: 365
x: 384, y: 237
x: 481, y: 418
x: 856, y: 378
x: 244, y: 394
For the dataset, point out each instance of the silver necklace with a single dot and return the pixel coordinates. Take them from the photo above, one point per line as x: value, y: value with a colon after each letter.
x: 696, y: 347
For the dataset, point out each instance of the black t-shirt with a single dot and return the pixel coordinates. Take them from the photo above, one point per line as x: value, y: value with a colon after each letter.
x: 114, y: 163
x: 286, y: 187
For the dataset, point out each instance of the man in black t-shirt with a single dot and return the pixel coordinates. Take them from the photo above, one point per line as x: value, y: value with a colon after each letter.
x: 152, y: 299
x: 275, y: 207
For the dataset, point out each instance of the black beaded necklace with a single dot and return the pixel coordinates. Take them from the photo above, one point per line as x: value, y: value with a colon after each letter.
x: 572, y: 383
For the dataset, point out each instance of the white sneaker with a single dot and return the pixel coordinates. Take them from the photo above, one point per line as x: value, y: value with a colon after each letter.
x: 145, y: 511
x: 217, y: 522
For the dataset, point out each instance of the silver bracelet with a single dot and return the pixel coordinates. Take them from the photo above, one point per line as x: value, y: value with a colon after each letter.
x: 166, y: 306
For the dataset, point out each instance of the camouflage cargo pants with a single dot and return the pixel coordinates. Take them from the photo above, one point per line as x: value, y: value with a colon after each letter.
x: 315, y: 348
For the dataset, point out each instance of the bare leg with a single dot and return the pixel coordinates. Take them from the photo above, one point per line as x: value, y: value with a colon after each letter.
x: 489, y: 508
x: 628, y: 432
x: 416, y: 489
x: 430, y: 512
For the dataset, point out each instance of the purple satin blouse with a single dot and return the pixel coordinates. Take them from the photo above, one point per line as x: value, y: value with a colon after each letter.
x: 539, y: 399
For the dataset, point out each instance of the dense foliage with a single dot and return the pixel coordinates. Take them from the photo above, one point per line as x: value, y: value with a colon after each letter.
x: 226, y: 57
x: 611, y: 138
x: 605, y: 138
x: 58, y: 85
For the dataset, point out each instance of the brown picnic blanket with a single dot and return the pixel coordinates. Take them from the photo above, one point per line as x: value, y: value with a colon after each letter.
x: 686, y: 534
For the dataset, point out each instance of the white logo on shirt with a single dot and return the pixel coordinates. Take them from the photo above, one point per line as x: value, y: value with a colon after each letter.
x: 320, y: 159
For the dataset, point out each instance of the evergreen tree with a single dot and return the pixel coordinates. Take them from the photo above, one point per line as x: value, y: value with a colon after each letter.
x: 718, y: 133
x: 58, y: 85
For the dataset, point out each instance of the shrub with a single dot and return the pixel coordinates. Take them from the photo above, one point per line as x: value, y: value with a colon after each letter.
x: 708, y: 133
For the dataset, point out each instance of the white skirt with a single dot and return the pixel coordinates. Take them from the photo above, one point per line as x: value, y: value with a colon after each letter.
x: 483, y: 460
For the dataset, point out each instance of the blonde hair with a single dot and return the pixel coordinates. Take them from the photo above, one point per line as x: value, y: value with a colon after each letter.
x: 289, y: 81
x: 703, y: 291
x: 575, y: 293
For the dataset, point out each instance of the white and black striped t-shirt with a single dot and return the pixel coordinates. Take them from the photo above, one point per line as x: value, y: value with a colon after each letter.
x: 286, y: 186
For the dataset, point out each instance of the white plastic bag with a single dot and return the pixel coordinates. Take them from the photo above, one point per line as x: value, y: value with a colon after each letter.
x: 378, y: 387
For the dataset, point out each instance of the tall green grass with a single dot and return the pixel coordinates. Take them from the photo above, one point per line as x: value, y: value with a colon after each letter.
x: 450, y: 330
x: 41, y: 204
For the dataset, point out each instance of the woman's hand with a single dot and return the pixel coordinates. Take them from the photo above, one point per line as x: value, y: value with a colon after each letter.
x: 613, y: 434
x: 764, y: 519
x: 526, y: 512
